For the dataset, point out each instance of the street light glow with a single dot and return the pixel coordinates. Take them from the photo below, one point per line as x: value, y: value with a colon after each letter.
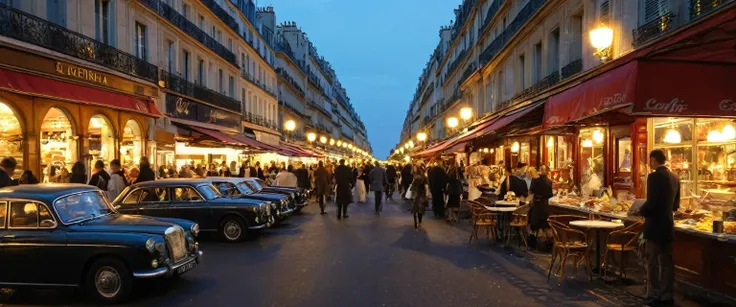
x: 466, y: 113
x: 339, y: 143
x: 421, y: 136
x: 311, y: 136
x: 323, y: 139
x: 290, y: 125
x: 332, y: 142
x: 452, y: 122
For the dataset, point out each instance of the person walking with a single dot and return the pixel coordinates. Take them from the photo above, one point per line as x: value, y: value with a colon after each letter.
x: 406, y: 179
x: 345, y: 184
x: 361, y: 186
x: 302, y: 177
x: 454, y: 191
x: 145, y: 172
x: 322, y: 186
x: 663, y: 198
x: 7, y: 168
x: 117, y: 180
x: 377, y: 178
x: 100, y: 178
x: 391, y: 179
x: 437, y: 183
x: 419, y: 193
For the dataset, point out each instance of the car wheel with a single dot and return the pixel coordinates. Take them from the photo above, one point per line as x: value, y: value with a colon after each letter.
x: 232, y: 229
x: 109, y: 281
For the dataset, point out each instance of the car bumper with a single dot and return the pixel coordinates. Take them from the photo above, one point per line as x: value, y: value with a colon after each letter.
x: 168, y: 271
x: 258, y: 227
x: 302, y: 205
x: 287, y: 211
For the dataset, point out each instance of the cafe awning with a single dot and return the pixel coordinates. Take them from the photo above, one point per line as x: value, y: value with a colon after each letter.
x: 255, y: 144
x: 217, y: 135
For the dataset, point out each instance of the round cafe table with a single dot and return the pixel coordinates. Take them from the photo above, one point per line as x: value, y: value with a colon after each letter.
x: 504, y: 203
x: 594, y: 226
x: 504, y: 219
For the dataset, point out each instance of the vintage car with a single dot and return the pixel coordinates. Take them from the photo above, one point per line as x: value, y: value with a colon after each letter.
x: 68, y: 235
x: 301, y: 196
x: 232, y: 218
x: 237, y: 187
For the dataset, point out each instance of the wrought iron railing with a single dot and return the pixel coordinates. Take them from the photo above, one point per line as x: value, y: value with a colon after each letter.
x: 492, y: 10
x: 462, y: 17
x: 257, y: 83
x: 312, y: 104
x: 468, y: 71
x: 33, y: 30
x: 456, y: 63
x: 292, y: 108
x: 281, y: 72
x: 539, y: 86
x: 653, y: 29
x: 571, y: 69
x: 699, y: 8
x: 312, y: 78
x: 260, y: 120
x: 222, y: 14
x: 521, y: 18
x: 186, y: 26
x: 184, y: 87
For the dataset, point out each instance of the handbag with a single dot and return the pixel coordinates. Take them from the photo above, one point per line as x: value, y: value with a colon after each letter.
x: 409, y: 194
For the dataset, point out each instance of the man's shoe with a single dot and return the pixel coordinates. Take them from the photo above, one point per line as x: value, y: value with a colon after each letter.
x: 345, y: 216
x: 339, y: 217
x: 323, y: 213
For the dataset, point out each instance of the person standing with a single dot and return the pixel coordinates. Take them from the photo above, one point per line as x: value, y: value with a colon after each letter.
x: 406, y: 179
x: 419, y: 191
x: 79, y: 173
x: 117, y: 180
x: 302, y: 177
x: 361, y: 184
x: 145, y: 173
x: 437, y: 183
x: 367, y: 168
x: 663, y: 198
x: 100, y: 178
x: 378, y: 180
x: 514, y: 183
x: 454, y: 191
x: 28, y: 178
x: 286, y: 178
x: 322, y: 185
x: 539, y: 194
x: 345, y: 184
x: 7, y: 168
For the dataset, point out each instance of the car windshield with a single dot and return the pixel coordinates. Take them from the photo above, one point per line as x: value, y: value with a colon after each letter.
x: 209, y: 191
x: 257, y: 184
x: 227, y: 188
x: 244, y: 187
x: 80, y: 207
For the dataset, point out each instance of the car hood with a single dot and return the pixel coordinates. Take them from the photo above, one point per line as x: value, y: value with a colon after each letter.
x: 235, y: 201
x: 124, y: 223
x: 264, y: 196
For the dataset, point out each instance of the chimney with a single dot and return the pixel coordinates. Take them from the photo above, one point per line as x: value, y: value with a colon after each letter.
x: 267, y: 17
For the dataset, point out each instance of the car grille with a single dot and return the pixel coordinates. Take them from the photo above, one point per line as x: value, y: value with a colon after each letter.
x: 177, y: 243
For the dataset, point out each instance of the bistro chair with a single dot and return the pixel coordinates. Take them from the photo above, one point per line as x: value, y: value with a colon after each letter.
x: 623, y: 241
x: 568, y: 242
x: 486, y: 201
x: 565, y: 219
x: 520, y: 222
x: 481, y: 218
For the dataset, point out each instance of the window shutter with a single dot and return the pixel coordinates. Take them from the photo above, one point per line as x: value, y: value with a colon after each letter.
x: 605, y: 12
x: 653, y: 9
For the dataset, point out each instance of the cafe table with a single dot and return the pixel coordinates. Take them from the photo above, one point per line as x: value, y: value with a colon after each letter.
x: 505, y: 203
x: 594, y: 226
x: 504, y: 219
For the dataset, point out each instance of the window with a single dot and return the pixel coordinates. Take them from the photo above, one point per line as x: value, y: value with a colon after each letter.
x: 186, y: 194
x: 654, y: 9
x: 576, y: 32
x: 604, y: 12
x: 522, y: 75
x: 214, y: 32
x: 221, y: 81
x: 186, y: 64
x: 132, y: 198
x: 102, y: 21
x: 201, y: 22
x: 3, y: 209
x: 56, y: 11
x: 553, y: 51
x: 30, y: 215
x: 172, y: 66
x: 227, y: 188
x: 537, y: 65
x: 140, y: 41
x: 11, y: 3
x: 185, y: 10
x: 200, y: 72
x: 231, y: 87
x: 154, y: 195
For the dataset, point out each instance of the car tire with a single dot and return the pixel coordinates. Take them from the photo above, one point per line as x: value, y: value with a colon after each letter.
x: 233, y: 229
x: 109, y: 281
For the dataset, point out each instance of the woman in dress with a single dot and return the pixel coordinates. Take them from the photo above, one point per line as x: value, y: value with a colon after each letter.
x: 539, y: 194
x: 360, y: 185
x: 454, y: 191
x: 419, y: 191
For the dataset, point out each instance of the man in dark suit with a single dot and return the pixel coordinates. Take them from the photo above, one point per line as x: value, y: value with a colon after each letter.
x: 345, y: 183
x: 437, y: 183
x: 302, y: 176
x: 391, y: 178
x: 406, y: 179
x: 7, y: 168
x: 663, y: 198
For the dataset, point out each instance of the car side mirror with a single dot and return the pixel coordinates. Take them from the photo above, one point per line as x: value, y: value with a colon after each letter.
x: 47, y: 224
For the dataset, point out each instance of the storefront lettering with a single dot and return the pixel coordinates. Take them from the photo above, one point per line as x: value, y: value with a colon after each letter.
x: 554, y: 120
x: 214, y: 116
x: 674, y: 106
x: 182, y: 107
x: 616, y: 99
x: 727, y: 105
x: 81, y: 73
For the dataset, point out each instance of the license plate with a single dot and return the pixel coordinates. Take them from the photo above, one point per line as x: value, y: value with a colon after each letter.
x: 184, y: 268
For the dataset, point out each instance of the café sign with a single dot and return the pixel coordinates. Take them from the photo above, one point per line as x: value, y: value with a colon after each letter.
x: 183, y: 108
x: 81, y: 73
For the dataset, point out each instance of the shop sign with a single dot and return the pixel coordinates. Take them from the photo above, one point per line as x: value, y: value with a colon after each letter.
x: 673, y: 106
x: 183, y: 108
x: 80, y: 73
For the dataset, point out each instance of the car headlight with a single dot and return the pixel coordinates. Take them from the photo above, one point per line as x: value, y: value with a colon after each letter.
x: 150, y: 245
x: 195, y: 229
x: 256, y: 208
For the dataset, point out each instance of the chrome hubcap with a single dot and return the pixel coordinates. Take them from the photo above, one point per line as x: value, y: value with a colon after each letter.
x: 107, y: 281
x: 232, y: 230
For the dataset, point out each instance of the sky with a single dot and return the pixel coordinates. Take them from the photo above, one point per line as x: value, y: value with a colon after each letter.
x: 378, y: 49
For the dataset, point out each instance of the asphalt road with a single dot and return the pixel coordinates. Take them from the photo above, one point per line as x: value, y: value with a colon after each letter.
x: 317, y: 260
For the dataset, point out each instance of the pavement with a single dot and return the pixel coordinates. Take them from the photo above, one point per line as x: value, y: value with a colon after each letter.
x: 365, y: 260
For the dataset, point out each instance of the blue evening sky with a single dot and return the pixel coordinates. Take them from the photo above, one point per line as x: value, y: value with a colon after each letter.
x: 378, y: 49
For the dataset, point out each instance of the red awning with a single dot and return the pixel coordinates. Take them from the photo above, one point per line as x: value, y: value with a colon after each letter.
x: 222, y: 137
x: 254, y: 143
x: 459, y: 147
x: 294, y: 151
x: 50, y: 88
x: 509, y: 118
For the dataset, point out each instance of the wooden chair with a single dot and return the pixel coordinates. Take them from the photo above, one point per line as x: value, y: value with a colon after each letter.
x: 565, y: 219
x: 623, y: 241
x: 519, y: 221
x: 486, y: 201
x: 568, y: 242
x: 481, y: 218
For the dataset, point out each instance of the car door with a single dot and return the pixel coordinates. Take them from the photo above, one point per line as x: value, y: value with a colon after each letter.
x: 35, y: 245
x: 154, y: 201
x: 130, y: 203
x: 188, y: 204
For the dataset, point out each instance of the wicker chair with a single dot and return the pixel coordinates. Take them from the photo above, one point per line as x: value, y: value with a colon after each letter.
x: 481, y: 218
x: 519, y: 221
x: 568, y: 242
x: 622, y: 241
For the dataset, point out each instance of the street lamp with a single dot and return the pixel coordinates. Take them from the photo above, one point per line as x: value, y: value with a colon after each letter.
x: 332, y: 142
x: 339, y: 143
x: 311, y: 137
x: 452, y: 122
x: 290, y: 125
x: 601, y: 38
x: 466, y: 113
x: 421, y: 136
x: 323, y: 139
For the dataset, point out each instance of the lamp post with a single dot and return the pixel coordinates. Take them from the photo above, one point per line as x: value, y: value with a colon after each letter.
x: 601, y: 38
x: 289, y: 126
x: 452, y: 123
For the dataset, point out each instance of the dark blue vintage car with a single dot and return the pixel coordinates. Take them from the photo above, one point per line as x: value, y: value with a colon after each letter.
x: 299, y: 195
x: 193, y: 199
x: 68, y: 235
x: 237, y: 187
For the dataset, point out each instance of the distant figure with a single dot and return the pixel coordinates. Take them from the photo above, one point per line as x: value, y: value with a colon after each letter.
x: 28, y: 178
x: 419, y: 191
x: 7, y: 168
x: 117, y: 180
x: 437, y: 184
x: 454, y: 191
x: 345, y: 184
x: 322, y: 185
x: 146, y: 173
x: 391, y: 178
x: 259, y: 171
x: 406, y: 179
x: 378, y: 181
x: 79, y: 173
x: 302, y: 176
x: 64, y: 175
x: 286, y: 178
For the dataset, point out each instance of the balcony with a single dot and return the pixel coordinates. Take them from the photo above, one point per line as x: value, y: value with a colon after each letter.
x: 492, y: 10
x: 318, y: 107
x: 572, y: 69
x: 700, y: 8
x: 313, y: 80
x: 294, y: 110
x: 521, y: 18
x: 33, y: 30
x: 281, y: 72
x: 257, y: 83
x: 653, y: 29
x: 197, y: 91
x: 468, y: 71
x: 454, y: 65
x: 538, y: 87
x: 462, y: 17
x: 260, y: 121
x: 222, y: 14
x: 186, y: 26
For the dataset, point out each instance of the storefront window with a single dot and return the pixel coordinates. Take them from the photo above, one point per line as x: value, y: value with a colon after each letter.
x: 549, y: 145
x: 101, y: 140
x: 592, y: 160
x: 11, y: 137
x: 58, y: 145
x: 716, y: 139
x: 132, y: 146
x: 675, y: 137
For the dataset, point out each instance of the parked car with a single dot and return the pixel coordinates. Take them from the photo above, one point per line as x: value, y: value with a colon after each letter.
x: 300, y: 196
x: 62, y: 235
x: 195, y: 199
x: 283, y: 206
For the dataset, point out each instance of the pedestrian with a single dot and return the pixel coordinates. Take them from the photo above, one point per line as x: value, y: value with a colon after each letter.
x: 133, y: 173
x: 28, y: 178
x: 302, y: 177
x: 378, y: 181
x: 161, y: 172
x: 663, y: 198
x: 345, y: 184
x: 64, y: 175
x: 322, y: 185
x: 437, y: 183
x: 361, y: 183
x: 145, y: 173
x: 454, y: 192
x: 419, y: 200
x: 391, y: 179
x: 79, y: 173
x: 244, y: 170
x: 233, y: 168
x: 539, y: 194
x: 367, y: 168
x: 259, y: 171
x: 286, y: 178
x: 117, y: 180
x: 100, y: 178
x: 172, y: 173
x: 7, y: 168
x: 406, y: 179
x: 225, y: 172
x: 514, y: 183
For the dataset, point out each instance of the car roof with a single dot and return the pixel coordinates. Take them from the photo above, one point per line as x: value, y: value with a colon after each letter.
x: 229, y: 179
x: 172, y: 181
x: 45, y: 192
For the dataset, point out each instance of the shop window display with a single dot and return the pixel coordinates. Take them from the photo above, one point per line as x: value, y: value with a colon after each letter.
x: 101, y: 141
x: 11, y: 137
x: 131, y: 147
x: 592, y: 160
x: 559, y: 160
x: 58, y: 145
